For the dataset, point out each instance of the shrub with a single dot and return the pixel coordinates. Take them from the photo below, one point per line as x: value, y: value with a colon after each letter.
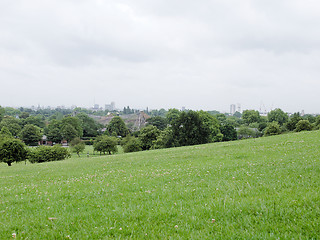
x: 272, y: 129
x: 77, y: 146
x: 48, y: 154
x: 132, y: 145
x: 303, y: 125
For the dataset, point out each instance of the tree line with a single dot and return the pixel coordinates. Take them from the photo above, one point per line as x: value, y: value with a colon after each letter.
x: 164, y: 129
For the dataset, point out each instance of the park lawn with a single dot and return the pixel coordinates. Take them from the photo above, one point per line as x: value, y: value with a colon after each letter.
x: 266, y: 188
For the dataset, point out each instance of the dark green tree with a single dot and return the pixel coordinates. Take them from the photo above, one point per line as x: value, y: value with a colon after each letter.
x: 68, y: 132
x: 193, y: 128
x: 89, y: 125
x: 12, y: 150
x: 279, y: 116
x: 294, y: 119
x: 246, y: 132
x: 251, y: 116
x: 165, y: 139
x: 2, y: 112
x: 303, y: 125
x: 12, y: 124
x: 5, y: 133
x: 132, y: 144
x: 172, y: 115
x: 24, y: 115
x: 159, y: 122
x: 74, y: 122
x: 31, y: 135
x: 117, y: 127
x: 272, y: 128
x: 147, y: 135
x: 229, y: 132
x: 105, y: 144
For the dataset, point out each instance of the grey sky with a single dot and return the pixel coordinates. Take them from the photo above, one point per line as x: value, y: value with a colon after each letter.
x: 198, y: 54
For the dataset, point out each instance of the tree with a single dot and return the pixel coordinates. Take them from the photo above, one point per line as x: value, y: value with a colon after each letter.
x: 12, y: 150
x: 117, y: 127
x: 272, y: 128
x: 279, y: 116
x: 68, y: 132
x: 75, y: 123
x: 251, y: 116
x: 164, y: 140
x: 35, y: 120
x: 89, y: 125
x: 147, y: 135
x: 229, y: 132
x: 77, y: 146
x: 12, y: 124
x: 317, y: 122
x: 246, y: 132
x: 172, y: 115
x: 105, y: 144
x: 30, y: 134
x: 294, y: 119
x: 159, y: 122
x: 5, y: 132
x: 24, y: 115
x: 192, y: 128
x: 2, y: 112
x: 303, y: 125
x: 132, y: 144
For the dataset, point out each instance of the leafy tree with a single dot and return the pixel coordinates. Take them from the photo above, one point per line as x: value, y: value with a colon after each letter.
x: 12, y: 124
x: 246, y: 132
x: 54, y: 135
x: 272, y: 128
x: 24, y: 115
x: 303, y: 125
x: 310, y: 118
x: 89, y: 125
x: 75, y: 123
x: 12, y: 150
x: 279, y: 116
x: 317, y: 122
x: 294, y: 119
x: 5, y: 132
x: 132, y: 145
x: 229, y: 132
x: 34, y: 120
x: 172, y: 115
x: 77, y: 146
x: 192, y: 128
x: 164, y: 140
x: 30, y: 134
x: 251, y: 116
x: 117, y: 127
x: 147, y: 135
x: 221, y: 118
x: 237, y: 115
x: 68, y: 132
x: 2, y: 112
x: 48, y: 154
x: 159, y: 122
x: 105, y: 144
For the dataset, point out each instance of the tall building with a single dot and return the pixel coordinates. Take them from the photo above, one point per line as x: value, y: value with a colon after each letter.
x: 232, y: 109
x: 110, y: 107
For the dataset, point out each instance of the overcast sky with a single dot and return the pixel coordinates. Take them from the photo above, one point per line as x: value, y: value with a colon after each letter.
x: 161, y: 53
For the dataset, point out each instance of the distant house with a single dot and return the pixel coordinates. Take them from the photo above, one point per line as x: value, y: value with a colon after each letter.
x: 44, y: 141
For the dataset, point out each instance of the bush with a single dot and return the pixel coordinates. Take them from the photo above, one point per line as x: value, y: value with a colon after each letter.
x: 303, y: 125
x: 272, y: 129
x: 48, y: 154
x: 132, y: 145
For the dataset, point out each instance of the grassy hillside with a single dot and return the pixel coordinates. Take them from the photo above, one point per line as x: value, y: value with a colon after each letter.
x: 266, y: 188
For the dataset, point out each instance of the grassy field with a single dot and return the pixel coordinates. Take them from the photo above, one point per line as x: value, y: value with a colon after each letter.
x: 266, y: 188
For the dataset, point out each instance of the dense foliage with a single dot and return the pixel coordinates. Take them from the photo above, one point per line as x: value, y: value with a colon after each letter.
x: 48, y: 154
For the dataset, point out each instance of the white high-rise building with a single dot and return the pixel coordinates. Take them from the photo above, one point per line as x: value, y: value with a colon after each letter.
x: 232, y: 109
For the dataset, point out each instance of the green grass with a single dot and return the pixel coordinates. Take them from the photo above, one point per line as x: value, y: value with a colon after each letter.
x: 266, y: 188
